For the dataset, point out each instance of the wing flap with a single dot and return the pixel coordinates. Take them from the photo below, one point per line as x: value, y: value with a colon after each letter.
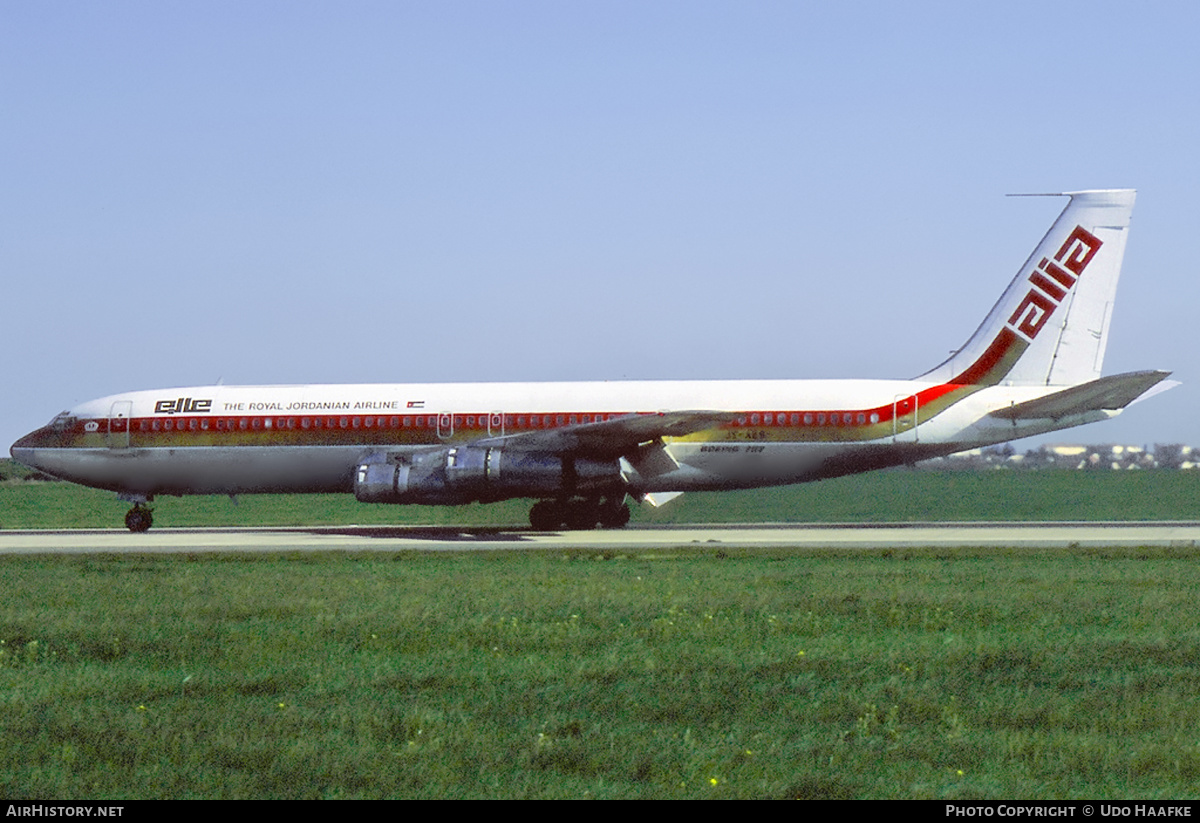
x: 1111, y: 393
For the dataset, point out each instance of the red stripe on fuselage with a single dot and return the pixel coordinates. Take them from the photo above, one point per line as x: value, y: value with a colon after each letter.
x: 991, y: 357
x: 319, y: 427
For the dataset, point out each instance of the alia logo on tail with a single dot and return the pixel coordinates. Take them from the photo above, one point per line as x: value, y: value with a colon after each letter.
x: 1054, y: 282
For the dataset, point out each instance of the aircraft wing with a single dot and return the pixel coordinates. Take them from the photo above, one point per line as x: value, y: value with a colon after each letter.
x: 612, y: 438
x: 1108, y: 393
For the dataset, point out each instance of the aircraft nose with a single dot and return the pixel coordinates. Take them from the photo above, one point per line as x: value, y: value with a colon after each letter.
x: 24, y: 451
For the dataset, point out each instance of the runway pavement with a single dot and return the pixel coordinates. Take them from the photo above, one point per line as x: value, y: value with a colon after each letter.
x: 449, y: 538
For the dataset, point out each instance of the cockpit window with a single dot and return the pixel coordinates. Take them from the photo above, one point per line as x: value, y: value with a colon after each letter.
x: 62, y: 422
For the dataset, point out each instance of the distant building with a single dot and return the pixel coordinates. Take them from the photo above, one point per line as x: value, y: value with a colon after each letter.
x: 1102, y: 457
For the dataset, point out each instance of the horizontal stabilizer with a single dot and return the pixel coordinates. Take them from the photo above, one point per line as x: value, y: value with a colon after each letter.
x: 1106, y: 394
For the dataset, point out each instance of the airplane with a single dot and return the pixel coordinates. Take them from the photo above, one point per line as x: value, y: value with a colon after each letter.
x: 580, y: 450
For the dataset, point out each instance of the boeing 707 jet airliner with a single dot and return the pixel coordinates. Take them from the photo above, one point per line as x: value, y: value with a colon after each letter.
x: 581, y: 449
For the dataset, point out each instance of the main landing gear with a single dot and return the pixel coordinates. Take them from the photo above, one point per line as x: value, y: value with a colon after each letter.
x: 139, y: 518
x: 549, y: 515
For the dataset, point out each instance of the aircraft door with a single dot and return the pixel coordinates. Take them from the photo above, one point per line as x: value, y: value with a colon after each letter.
x: 119, y: 423
x: 904, y: 419
x: 445, y: 425
x: 495, y: 423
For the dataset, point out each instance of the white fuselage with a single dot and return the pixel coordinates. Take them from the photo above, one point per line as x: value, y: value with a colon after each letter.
x: 246, y: 439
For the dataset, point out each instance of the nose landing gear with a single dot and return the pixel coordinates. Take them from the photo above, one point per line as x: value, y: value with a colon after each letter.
x: 139, y: 518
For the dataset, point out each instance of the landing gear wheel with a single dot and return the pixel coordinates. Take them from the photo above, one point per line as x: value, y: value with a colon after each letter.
x: 545, y: 516
x: 614, y: 516
x: 582, y: 515
x: 138, y: 519
x: 577, y: 515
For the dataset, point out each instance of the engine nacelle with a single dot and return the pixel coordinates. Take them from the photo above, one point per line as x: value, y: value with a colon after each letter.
x: 463, y: 474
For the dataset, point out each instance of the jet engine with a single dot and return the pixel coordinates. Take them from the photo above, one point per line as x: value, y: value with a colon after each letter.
x: 464, y: 474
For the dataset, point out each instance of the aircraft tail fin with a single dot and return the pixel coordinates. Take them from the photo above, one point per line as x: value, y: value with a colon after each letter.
x: 1050, y: 327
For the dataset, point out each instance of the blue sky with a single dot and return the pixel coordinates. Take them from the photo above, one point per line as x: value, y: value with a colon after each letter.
x: 389, y: 192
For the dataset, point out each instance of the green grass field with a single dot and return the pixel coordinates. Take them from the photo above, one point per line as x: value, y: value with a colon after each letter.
x: 878, y: 497
x: 950, y: 674
x: 878, y: 675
